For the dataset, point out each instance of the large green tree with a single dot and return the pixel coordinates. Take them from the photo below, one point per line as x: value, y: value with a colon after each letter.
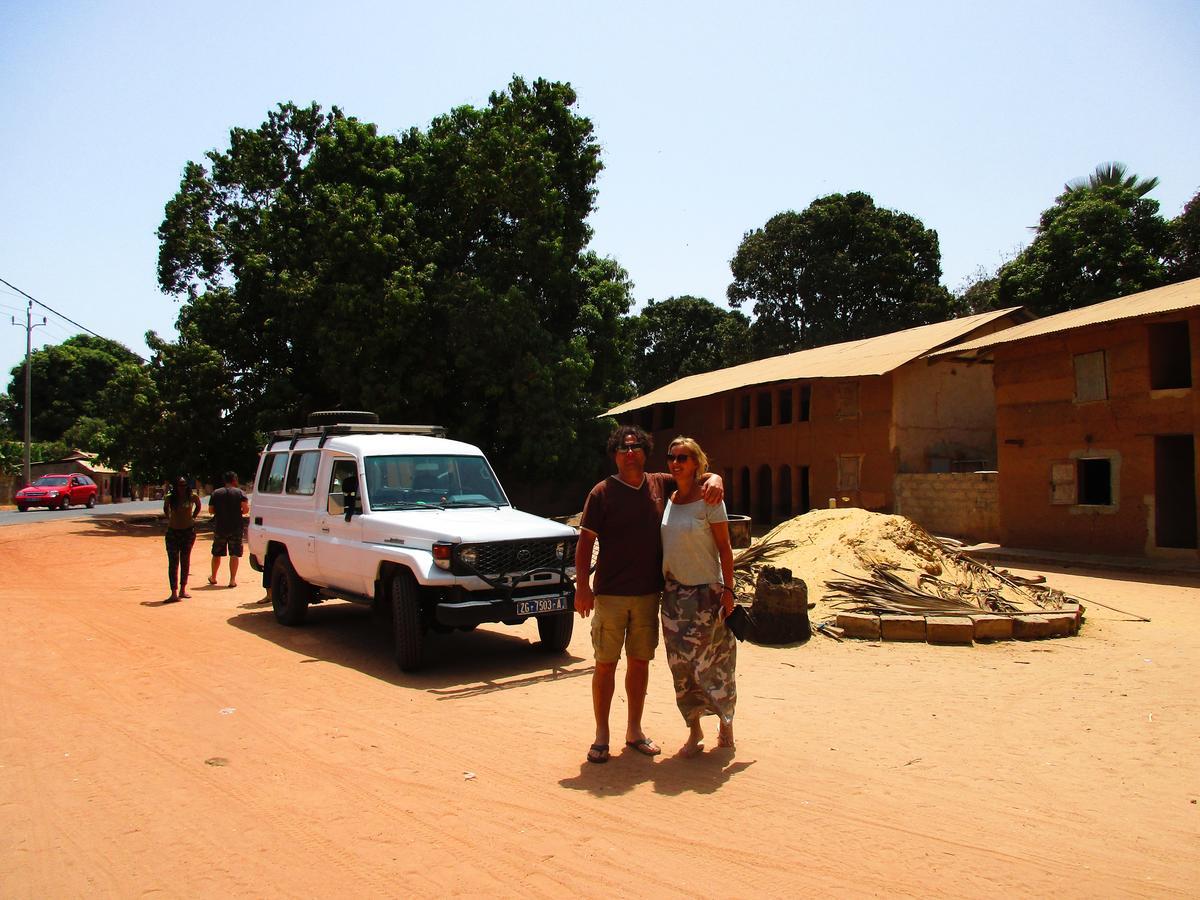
x: 842, y: 269
x: 435, y: 276
x: 67, y: 379
x: 683, y: 336
x: 1101, y: 239
x: 1185, y: 244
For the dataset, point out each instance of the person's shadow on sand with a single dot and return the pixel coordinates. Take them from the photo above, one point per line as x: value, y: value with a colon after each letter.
x: 670, y: 775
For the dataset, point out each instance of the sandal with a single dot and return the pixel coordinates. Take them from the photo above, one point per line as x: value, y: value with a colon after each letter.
x: 645, y: 746
x: 598, y: 753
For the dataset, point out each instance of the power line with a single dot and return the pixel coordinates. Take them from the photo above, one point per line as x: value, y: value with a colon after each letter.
x: 60, y: 315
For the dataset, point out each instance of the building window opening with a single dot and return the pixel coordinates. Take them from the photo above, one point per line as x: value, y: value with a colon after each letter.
x: 805, y: 401
x: 744, y: 418
x: 729, y: 413
x: 849, y: 470
x: 646, y: 418
x: 1091, y: 382
x: 1170, y: 356
x: 668, y: 415
x: 785, y: 406
x: 764, y: 408
x: 1095, y: 482
x: 846, y: 395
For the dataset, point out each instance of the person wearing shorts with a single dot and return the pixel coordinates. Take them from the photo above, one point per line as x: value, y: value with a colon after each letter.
x: 623, y: 514
x: 227, y: 505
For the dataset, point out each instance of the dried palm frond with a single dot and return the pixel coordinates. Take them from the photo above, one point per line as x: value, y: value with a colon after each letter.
x: 760, y: 552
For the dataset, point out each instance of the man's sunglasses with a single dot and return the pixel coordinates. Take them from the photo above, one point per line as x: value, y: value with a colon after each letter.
x: 629, y: 448
x: 678, y: 457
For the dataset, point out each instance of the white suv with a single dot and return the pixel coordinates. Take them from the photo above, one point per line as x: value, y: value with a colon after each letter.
x: 398, y: 515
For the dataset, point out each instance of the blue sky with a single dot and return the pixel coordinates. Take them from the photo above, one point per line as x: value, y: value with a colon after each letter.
x: 712, y: 117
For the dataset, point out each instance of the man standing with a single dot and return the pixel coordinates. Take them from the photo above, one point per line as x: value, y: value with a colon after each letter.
x: 227, y: 505
x: 624, y: 513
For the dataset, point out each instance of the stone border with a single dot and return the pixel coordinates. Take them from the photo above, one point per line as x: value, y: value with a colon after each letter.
x: 966, y: 629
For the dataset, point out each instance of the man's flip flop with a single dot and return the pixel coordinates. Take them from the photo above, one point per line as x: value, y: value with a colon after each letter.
x: 645, y: 746
x: 598, y: 753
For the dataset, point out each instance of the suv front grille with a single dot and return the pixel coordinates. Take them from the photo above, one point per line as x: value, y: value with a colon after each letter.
x: 504, y: 557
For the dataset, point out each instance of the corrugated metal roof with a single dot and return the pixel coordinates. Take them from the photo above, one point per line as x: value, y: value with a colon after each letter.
x: 869, y: 356
x: 1172, y: 297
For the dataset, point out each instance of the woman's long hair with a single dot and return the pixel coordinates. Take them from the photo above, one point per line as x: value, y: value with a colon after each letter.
x: 179, y: 496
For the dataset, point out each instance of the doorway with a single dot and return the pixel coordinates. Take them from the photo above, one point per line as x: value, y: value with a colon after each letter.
x: 1175, y: 491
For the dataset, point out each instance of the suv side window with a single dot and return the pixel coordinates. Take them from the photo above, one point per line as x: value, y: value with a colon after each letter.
x: 342, y: 468
x: 271, y: 481
x: 302, y: 473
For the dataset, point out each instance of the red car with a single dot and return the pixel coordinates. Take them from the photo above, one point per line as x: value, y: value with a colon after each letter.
x: 58, y: 492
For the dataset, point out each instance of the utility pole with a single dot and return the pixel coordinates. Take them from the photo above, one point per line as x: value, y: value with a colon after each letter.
x: 29, y: 326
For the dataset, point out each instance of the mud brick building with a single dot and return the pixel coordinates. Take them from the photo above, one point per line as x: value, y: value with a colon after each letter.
x: 1097, y: 418
x: 834, y: 424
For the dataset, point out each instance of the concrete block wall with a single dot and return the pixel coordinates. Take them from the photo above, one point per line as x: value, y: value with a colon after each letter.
x: 964, y: 505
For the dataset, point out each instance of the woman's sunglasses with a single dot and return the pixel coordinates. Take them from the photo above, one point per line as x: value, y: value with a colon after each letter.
x: 678, y: 457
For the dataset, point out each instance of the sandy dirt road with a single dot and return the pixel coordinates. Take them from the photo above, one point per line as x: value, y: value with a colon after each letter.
x: 202, y: 750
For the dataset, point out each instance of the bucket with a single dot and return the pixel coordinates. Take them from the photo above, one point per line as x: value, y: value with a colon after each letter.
x: 739, y: 532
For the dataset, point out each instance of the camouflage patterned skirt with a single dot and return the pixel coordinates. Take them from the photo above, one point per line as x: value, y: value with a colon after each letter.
x: 701, y: 651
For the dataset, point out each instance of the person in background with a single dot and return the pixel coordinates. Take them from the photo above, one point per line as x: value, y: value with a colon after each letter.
x: 227, y: 505
x: 623, y: 513
x: 180, y: 506
x: 697, y: 596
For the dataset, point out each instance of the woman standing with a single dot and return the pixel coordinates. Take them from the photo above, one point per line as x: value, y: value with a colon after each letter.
x: 698, y: 569
x: 180, y: 506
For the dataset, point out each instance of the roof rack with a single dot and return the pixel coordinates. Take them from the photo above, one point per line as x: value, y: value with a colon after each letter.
x: 325, y: 432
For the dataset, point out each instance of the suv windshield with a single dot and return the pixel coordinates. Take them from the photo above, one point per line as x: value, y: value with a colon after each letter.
x: 410, y: 482
x: 51, y: 481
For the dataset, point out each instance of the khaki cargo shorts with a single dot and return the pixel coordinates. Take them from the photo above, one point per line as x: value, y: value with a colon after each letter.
x: 631, y: 621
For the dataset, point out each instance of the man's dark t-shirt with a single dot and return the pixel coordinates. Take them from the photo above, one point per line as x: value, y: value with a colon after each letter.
x: 226, y: 505
x: 626, y: 520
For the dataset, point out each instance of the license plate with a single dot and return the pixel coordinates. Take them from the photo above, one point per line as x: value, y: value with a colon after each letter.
x: 541, y: 605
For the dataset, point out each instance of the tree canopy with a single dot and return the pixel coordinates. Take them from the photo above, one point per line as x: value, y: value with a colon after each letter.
x: 683, y: 336
x: 843, y: 268
x: 435, y: 276
x: 1099, y: 240
x: 67, y: 381
x: 1184, y: 260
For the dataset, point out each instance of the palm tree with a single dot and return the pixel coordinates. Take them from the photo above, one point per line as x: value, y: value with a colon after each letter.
x: 1112, y: 174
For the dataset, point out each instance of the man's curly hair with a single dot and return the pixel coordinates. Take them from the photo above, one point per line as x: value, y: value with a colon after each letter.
x: 617, y: 438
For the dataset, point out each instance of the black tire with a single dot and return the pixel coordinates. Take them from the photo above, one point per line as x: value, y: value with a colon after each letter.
x: 21, y: 508
x: 343, y: 417
x: 555, y: 630
x: 65, y: 504
x: 407, y: 627
x: 290, y: 594
x: 91, y: 502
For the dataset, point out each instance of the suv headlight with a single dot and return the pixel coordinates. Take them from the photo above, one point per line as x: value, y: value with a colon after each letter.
x: 441, y: 554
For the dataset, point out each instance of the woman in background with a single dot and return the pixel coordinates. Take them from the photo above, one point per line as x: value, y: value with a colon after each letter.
x: 698, y: 569
x: 180, y: 506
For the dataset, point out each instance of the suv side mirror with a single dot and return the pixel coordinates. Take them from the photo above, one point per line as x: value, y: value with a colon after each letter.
x: 350, y: 494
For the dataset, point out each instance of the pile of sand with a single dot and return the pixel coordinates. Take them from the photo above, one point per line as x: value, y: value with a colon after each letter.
x: 830, y: 544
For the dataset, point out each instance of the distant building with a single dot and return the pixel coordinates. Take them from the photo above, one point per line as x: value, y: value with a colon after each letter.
x: 1097, y: 417
x: 834, y: 424
x: 114, y: 486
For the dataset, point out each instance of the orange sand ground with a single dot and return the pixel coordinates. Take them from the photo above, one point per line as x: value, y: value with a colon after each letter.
x: 202, y: 750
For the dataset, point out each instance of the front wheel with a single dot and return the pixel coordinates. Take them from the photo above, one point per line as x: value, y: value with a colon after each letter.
x: 290, y: 594
x: 555, y: 630
x: 407, y: 627
x: 65, y: 503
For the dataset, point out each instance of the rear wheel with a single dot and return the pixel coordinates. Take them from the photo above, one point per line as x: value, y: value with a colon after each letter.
x: 91, y: 501
x: 290, y: 594
x: 407, y: 627
x: 22, y: 508
x: 555, y: 630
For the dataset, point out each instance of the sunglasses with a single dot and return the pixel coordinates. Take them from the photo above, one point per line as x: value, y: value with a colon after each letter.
x: 678, y: 457
x: 630, y: 448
